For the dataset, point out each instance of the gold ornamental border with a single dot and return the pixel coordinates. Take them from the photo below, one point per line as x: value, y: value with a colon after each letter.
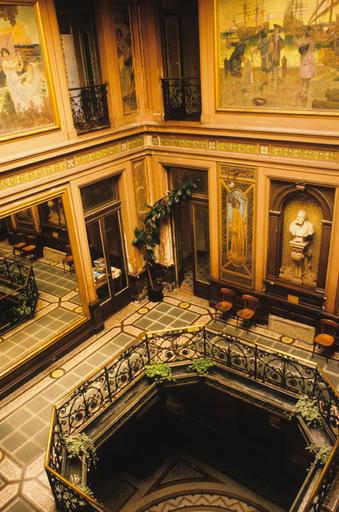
x: 201, y: 143
x: 71, y: 162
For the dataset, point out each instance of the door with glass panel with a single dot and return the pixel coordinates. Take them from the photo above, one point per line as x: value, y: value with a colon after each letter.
x: 101, y: 206
x: 190, y: 233
x: 104, y: 235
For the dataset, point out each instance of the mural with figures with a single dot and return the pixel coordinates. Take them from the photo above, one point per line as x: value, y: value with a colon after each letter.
x: 25, y: 100
x: 236, y: 225
x: 125, y: 57
x: 281, y: 55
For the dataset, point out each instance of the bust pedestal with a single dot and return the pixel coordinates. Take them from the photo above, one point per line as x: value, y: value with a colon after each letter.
x: 298, y: 250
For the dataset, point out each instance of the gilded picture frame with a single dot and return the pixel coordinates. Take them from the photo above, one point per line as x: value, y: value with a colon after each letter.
x: 27, y: 98
x: 277, y: 57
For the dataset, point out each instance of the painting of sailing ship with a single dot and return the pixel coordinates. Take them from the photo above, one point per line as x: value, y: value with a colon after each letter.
x: 25, y: 97
x: 281, y: 55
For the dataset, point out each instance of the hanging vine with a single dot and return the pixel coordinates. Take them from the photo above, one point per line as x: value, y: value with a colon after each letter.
x: 148, y: 237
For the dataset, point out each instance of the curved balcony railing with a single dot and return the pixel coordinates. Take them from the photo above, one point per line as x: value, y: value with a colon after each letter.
x: 268, y: 367
x: 182, y: 99
x: 19, y: 293
x: 89, y: 107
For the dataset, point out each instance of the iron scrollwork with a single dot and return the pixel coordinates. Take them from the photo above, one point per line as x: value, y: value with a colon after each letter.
x: 89, y: 107
x: 182, y: 98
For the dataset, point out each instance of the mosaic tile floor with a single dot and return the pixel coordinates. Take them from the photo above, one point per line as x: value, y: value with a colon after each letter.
x: 24, y: 417
x: 183, y: 482
x: 58, y: 306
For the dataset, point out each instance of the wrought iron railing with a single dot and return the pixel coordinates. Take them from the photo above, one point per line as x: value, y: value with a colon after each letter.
x: 182, y: 99
x: 322, y: 488
x: 89, y: 107
x: 291, y: 375
x: 18, y: 301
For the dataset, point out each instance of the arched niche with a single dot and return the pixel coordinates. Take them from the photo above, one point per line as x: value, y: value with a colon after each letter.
x: 286, y: 199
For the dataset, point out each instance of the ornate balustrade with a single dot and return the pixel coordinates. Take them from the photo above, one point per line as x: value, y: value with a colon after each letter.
x: 289, y: 375
x: 182, y: 99
x: 19, y: 300
x: 89, y: 107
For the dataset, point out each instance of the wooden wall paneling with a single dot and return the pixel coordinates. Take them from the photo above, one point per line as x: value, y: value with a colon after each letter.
x: 273, y: 251
x: 325, y: 249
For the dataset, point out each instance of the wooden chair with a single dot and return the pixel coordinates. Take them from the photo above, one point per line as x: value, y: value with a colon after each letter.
x: 226, y: 304
x: 19, y: 244
x: 30, y: 249
x: 326, y: 337
x: 68, y: 259
x: 249, y: 310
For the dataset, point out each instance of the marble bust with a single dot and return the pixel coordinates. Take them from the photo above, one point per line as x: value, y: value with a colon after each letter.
x: 301, y: 228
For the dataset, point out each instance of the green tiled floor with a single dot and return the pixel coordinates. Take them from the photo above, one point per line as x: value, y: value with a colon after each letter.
x: 164, y: 316
x: 32, y: 335
x: 53, y: 280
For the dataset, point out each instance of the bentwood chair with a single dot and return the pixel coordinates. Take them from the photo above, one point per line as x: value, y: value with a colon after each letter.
x: 30, y: 249
x: 248, y: 312
x: 226, y: 303
x: 19, y: 244
x: 326, y: 337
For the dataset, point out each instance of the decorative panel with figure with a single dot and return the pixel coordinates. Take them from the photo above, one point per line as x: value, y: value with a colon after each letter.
x: 27, y: 104
x: 124, y: 42
x: 237, y: 200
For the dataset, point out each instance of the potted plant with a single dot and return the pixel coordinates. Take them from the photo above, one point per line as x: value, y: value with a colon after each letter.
x: 308, y: 409
x: 72, y: 502
x: 158, y: 372
x: 321, y: 453
x: 148, y: 237
x: 80, y: 446
x: 201, y: 365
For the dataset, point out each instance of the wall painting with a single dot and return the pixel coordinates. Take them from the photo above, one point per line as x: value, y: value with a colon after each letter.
x: 237, y: 212
x: 278, y: 55
x: 27, y: 102
x: 141, y: 189
x: 123, y: 35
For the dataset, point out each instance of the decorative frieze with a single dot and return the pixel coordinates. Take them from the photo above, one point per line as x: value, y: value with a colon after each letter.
x: 211, y: 145
x: 71, y: 162
x: 305, y: 154
x: 183, y: 142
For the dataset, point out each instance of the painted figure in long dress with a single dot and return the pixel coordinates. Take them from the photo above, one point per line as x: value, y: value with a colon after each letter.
x: 237, y: 248
x: 24, y: 89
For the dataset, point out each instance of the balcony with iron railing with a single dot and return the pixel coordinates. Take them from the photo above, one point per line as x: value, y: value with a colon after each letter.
x: 182, y: 99
x: 103, y: 402
x: 89, y: 108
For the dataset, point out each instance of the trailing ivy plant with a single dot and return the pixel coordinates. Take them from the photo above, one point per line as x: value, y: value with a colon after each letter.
x: 201, y: 365
x: 72, y: 502
x: 321, y: 453
x: 148, y: 237
x: 307, y: 408
x: 158, y: 372
x: 80, y: 446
